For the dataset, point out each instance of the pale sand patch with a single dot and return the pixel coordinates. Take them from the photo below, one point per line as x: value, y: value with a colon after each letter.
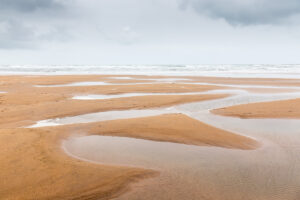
x: 275, y: 109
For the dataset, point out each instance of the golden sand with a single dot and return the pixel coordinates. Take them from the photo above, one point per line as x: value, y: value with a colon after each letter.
x: 33, y: 165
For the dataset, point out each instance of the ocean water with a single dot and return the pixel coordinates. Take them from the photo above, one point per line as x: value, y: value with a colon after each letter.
x: 274, y: 71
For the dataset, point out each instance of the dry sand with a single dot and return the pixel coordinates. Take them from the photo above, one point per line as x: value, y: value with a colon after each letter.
x: 33, y: 165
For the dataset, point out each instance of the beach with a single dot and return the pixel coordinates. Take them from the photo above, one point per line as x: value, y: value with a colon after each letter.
x: 149, y: 137
x: 149, y: 100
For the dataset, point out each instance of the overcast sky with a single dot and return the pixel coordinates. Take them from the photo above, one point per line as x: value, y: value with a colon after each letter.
x: 149, y: 31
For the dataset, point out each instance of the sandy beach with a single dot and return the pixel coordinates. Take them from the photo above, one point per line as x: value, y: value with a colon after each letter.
x: 149, y: 100
x: 34, y: 164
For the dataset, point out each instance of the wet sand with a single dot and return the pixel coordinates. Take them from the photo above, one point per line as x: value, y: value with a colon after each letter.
x: 189, y: 156
x: 25, y: 115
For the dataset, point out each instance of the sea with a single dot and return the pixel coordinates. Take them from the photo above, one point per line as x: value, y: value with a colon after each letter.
x: 250, y: 70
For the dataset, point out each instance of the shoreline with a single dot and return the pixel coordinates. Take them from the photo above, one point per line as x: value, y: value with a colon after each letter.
x: 225, y: 70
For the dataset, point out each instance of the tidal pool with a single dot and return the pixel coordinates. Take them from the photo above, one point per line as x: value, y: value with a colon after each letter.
x: 191, y: 172
x: 201, y: 172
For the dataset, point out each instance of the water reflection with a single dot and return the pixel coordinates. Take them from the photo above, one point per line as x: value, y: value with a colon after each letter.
x: 194, y: 172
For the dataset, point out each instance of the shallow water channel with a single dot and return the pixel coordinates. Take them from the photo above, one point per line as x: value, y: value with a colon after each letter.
x: 201, y: 172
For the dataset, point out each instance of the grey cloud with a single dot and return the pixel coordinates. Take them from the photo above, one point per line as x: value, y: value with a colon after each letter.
x: 29, y: 5
x: 15, y: 34
x: 10, y: 36
x: 23, y: 23
x: 245, y: 12
x: 123, y: 36
x: 148, y: 31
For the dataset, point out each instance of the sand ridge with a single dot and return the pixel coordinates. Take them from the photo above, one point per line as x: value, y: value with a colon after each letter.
x: 275, y: 109
x: 177, y: 128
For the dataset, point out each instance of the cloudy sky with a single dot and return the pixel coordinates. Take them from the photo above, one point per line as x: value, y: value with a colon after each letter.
x: 149, y: 31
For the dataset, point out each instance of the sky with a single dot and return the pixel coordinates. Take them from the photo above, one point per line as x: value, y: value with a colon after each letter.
x: 105, y: 32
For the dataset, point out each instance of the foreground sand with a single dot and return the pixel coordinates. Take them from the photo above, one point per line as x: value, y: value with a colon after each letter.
x: 33, y: 164
x: 275, y: 109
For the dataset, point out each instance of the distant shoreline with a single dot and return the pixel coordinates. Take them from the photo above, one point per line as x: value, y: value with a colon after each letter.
x: 242, y: 71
